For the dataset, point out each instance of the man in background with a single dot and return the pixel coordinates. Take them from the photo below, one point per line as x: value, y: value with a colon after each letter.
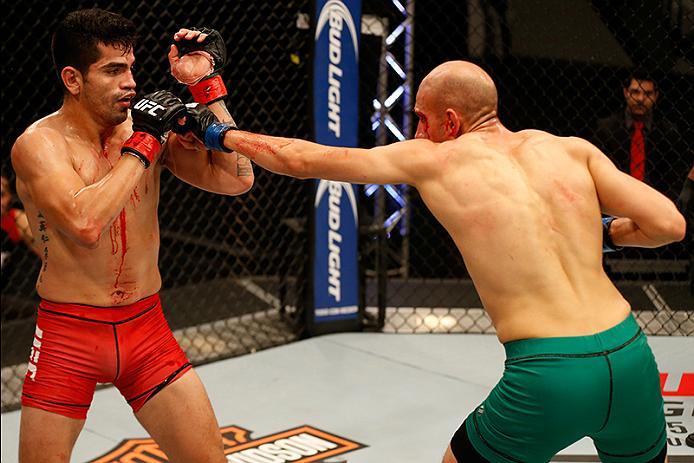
x: 642, y: 142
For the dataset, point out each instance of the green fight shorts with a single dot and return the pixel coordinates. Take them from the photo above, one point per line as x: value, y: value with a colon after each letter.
x: 555, y: 391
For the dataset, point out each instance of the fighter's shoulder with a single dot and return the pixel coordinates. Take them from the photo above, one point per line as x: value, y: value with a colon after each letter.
x: 45, y: 130
x: 540, y: 136
x: 577, y: 148
x: 415, y: 147
x: 577, y: 145
x: 38, y: 139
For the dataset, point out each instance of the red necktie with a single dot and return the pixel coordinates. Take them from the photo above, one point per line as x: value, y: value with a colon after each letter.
x: 637, y: 167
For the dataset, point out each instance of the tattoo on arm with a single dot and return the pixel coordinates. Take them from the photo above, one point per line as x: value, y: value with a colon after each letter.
x: 227, y: 116
x: 44, y: 239
x: 244, y: 168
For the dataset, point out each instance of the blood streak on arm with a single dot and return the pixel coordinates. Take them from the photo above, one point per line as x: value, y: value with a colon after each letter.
x: 254, y: 147
x: 135, y: 198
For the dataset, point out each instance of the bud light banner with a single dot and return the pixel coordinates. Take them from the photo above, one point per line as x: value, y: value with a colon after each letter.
x: 336, y: 71
x: 335, y: 113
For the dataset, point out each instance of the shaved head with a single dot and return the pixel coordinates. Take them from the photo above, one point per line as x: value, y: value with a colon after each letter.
x: 463, y: 87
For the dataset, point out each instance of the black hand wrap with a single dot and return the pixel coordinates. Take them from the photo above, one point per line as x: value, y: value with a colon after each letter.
x: 211, y: 88
x: 152, y: 116
x: 205, y: 126
x: 607, y: 243
x: 213, y: 44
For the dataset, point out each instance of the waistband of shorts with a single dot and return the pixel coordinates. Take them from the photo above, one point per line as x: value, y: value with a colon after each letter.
x: 113, y: 314
x: 600, y: 343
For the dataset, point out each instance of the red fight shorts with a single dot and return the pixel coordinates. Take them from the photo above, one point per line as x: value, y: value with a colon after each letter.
x: 77, y: 346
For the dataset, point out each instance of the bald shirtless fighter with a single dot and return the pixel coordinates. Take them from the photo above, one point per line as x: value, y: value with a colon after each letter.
x: 524, y: 210
x: 88, y: 176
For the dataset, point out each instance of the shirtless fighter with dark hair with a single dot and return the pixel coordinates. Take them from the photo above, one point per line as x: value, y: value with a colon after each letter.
x: 88, y: 176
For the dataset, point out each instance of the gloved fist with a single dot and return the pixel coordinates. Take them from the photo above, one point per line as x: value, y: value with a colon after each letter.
x: 198, y: 63
x: 152, y: 117
x: 205, y: 126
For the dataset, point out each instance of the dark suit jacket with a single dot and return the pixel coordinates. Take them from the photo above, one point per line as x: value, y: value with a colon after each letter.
x: 668, y: 157
x: 668, y: 161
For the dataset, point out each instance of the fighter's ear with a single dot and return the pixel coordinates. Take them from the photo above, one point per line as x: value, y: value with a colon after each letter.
x: 72, y: 79
x: 453, y: 123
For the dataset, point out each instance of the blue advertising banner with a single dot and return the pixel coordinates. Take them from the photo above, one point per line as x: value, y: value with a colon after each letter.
x: 335, y: 113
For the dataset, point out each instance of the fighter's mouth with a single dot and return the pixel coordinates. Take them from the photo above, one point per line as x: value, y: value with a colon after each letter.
x: 127, y: 98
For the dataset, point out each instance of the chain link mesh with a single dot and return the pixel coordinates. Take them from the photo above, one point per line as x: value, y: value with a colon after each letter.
x: 559, y: 67
x: 233, y: 269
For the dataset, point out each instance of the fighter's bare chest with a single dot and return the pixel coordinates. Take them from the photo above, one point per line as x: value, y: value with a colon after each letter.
x: 95, y: 166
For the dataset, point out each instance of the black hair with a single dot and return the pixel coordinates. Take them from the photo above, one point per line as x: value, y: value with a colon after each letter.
x: 641, y: 74
x: 75, y: 40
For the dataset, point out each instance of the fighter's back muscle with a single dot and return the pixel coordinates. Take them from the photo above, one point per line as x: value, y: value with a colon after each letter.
x: 534, y: 170
x: 523, y: 211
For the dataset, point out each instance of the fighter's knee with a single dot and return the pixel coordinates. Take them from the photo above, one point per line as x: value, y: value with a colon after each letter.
x: 448, y: 457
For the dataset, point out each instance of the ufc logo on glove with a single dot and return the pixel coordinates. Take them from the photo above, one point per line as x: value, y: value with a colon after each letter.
x: 148, y: 106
